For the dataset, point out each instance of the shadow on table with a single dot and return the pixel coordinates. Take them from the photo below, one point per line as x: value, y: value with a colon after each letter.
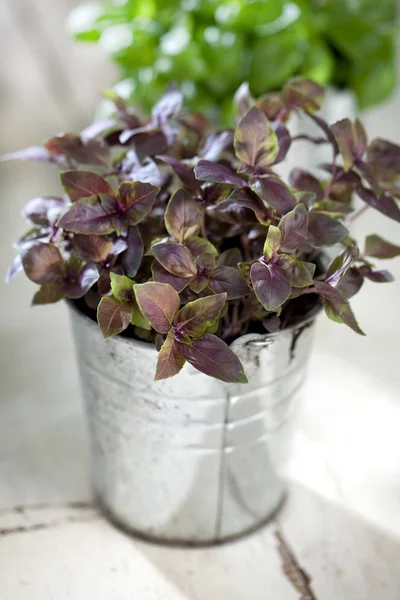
x: 347, y: 558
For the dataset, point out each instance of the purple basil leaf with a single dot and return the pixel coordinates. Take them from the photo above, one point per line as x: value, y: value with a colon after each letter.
x: 182, y: 216
x: 229, y: 280
x: 94, y: 151
x: 212, y: 193
x: 205, y: 262
x: 206, y: 170
x: 95, y: 248
x: 294, y: 227
x: 244, y: 270
x: 300, y: 273
x: 337, y: 306
x: 343, y: 132
x: 328, y: 292
x: 379, y: 248
x: 122, y: 288
x: 210, y: 355
x: 284, y: 140
x: 135, y: 170
x: 117, y: 214
x: 235, y: 213
x: 195, y: 317
x: 113, y: 316
x: 201, y: 247
x: 147, y: 143
x: 176, y: 258
x: 327, y: 130
x: 127, y: 135
x: 84, y: 184
x: 272, y: 106
x: 43, y: 263
x: 96, y: 129
x: 303, y: 93
x: 119, y: 245
x: 129, y: 117
x: 272, y: 242
x: 161, y: 275
x: 132, y: 257
x: 43, y: 234
x: 245, y: 198
x: 309, y: 199
x: 159, y: 302
x: 15, y: 268
x: 341, y: 209
x: 325, y: 230
x: 370, y: 175
x: 342, y: 314
x: 272, y: 323
x: 347, y: 141
x: 88, y: 216
x: 44, y: 211
x: 255, y: 142
x: 216, y: 144
x: 382, y: 276
x: 271, y: 284
x: 340, y: 264
x: 170, y: 359
x: 49, y: 293
x: 86, y: 278
x: 199, y: 282
x: 39, y: 153
x: 103, y: 284
x: 137, y: 200
x: 297, y: 292
x: 167, y: 107
x: 305, y: 182
x: 243, y: 100
x: 185, y: 173
x: 351, y: 282
x: 229, y: 258
x: 139, y: 319
x: 73, y: 267
x: 274, y: 192
x: 384, y: 203
x: 384, y: 155
x: 360, y: 139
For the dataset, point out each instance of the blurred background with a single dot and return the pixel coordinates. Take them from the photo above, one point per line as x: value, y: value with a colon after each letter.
x: 346, y: 448
x: 50, y: 83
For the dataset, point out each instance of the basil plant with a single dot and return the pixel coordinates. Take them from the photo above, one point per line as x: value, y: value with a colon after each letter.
x: 210, y: 46
x: 187, y: 238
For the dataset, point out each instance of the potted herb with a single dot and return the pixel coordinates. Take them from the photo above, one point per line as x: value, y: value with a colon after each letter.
x: 205, y: 271
x: 346, y: 44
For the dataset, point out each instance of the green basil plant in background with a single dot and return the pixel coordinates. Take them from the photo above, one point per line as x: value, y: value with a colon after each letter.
x: 210, y: 46
x: 187, y: 238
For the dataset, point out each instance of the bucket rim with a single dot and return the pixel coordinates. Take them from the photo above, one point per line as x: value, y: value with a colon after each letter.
x: 259, y: 338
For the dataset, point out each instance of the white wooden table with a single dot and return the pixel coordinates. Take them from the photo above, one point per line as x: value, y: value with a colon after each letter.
x: 342, y: 517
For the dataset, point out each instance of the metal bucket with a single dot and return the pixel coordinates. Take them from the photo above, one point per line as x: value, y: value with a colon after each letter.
x: 190, y: 459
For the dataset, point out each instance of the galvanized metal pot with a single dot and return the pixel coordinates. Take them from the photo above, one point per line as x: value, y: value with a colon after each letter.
x: 189, y: 459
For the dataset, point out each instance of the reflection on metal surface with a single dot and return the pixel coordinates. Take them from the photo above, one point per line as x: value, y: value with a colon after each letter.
x: 189, y: 459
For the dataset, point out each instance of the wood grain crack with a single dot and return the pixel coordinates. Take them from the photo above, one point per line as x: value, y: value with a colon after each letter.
x: 24, y: 508
x: 28, y: 518
x: 45, y: 525
x: 292, y: 570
